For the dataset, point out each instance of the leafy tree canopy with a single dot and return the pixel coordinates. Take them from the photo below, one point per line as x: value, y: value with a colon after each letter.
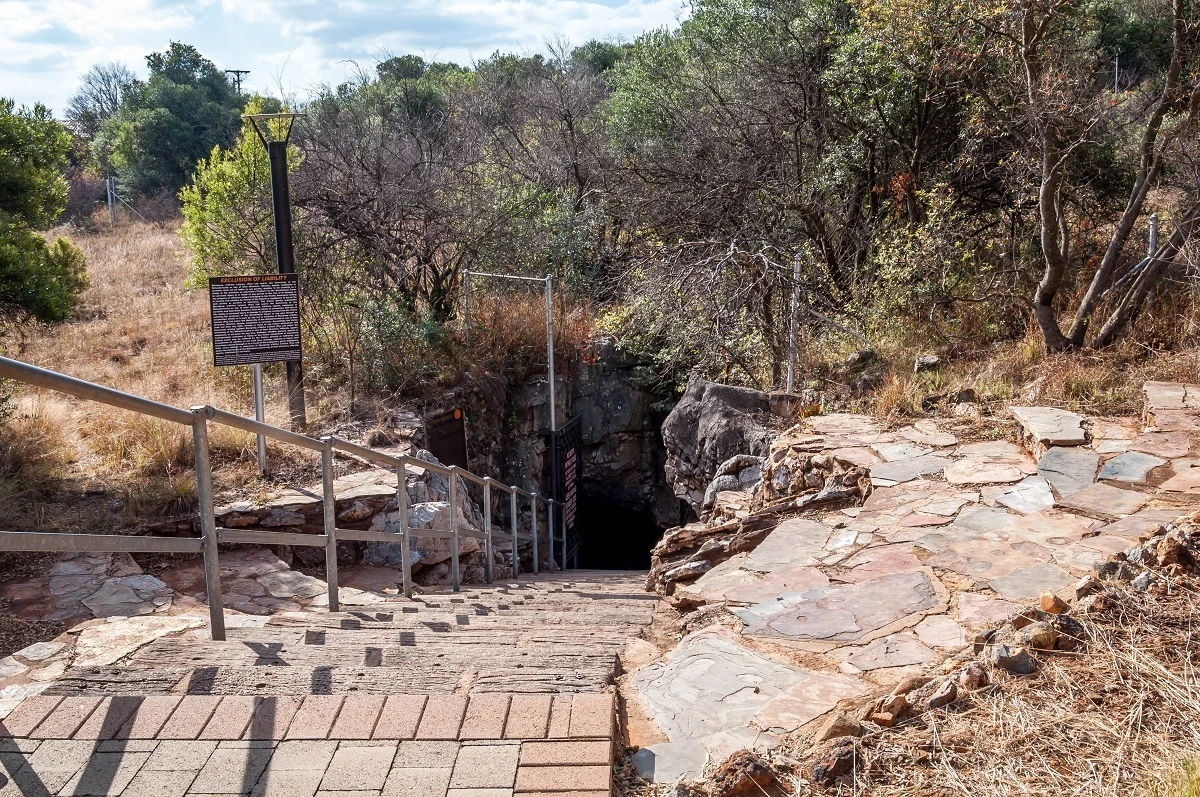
x: 167, y: 124
x: 37, y: 281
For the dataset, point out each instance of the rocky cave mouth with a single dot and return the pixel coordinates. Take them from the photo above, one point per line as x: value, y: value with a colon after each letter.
x: 615, y: 537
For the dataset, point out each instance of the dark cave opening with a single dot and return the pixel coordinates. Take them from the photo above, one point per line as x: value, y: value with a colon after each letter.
x: 615, y: 537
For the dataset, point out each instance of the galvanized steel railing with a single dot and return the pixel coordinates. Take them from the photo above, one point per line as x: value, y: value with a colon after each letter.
x: 212, y: 535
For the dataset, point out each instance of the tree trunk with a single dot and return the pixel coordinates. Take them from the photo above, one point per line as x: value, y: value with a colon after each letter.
x: 1131, y: 303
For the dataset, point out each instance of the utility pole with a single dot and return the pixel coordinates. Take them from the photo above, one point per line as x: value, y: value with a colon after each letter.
x: 281, y: 207
x: 237, y: 77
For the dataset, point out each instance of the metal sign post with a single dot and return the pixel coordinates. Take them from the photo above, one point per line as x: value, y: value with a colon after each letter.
x: 260, y: 416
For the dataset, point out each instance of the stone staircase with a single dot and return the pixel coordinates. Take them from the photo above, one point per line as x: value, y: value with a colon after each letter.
x: 507, y: 687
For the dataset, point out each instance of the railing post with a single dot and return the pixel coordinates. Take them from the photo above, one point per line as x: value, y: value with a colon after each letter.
x: 516, y: 546
x: 454, y: 528
x: 402, y: 510
x: 487, y: 529
x: 208, y: 523
x: 533, y: 506
x: 329, y: 501
x: 550, y: 528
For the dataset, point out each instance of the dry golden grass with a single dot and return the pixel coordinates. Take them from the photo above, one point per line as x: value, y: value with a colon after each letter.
x: 139, y: 330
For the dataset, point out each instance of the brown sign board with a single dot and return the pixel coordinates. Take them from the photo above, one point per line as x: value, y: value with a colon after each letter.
x: 255, y: 318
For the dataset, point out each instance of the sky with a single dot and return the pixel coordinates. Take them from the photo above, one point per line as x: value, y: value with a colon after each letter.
x: 290, y: 46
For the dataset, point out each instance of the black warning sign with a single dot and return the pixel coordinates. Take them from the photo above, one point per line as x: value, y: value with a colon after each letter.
x: 255, y: 319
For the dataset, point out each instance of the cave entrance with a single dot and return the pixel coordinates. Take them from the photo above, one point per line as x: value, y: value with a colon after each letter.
x: 615, y: 537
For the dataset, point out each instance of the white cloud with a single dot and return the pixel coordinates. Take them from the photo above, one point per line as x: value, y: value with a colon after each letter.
x: 46, y: 44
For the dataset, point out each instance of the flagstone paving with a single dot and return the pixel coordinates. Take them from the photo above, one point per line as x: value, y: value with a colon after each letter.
x: 952, y: 539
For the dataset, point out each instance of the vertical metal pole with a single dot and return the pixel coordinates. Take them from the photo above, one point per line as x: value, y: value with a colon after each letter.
x: 533, y: 507
x: 467, y: 305
x: 402, y: 510
x: 454, y: 527
x: 550, y: 351
x: 487, y: 529
x: 791, y: 363
x: 285, y: 257
x: 329, y: 504
x: 208, y: 523
x: 516, y: 547
x: 1153, y: 234
x: 550, y: 528
x: 112, y: 203
x: 260, y: 416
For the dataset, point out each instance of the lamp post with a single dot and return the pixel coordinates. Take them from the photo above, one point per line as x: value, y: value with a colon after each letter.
x: 274, y: 130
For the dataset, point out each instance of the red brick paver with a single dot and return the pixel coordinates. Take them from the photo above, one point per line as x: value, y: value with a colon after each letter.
x: 315, y: 718
x: 400, y: 715
x: 25, y: 717
x: 442, y: 717
x: 560, y: 718
x: 358, y: 717
x: 230, y: 719
x: 528, y: 717
x: 271, y: 717
x: 108, y: 718
x: 66, y: 718
x: 555, y: 753
x: 560, y: 779
x: 485, y: 717
x: 151, y: 715
x: 592, y: 716
x: 190, y: 717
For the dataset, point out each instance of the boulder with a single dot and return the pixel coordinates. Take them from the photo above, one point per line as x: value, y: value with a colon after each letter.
x: 834, y: 761
x: 1015, y: 660
x: 711, y: 424
x: 745, y: 774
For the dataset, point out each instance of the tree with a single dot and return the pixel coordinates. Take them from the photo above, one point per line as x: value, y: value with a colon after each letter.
x: 38, y: 281
x: 102, y: 91
x: 166, y: 125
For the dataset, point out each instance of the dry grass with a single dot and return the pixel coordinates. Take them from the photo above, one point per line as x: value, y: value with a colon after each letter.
x: 76, y: 465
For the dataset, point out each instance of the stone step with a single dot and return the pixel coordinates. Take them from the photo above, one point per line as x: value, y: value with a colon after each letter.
x: 583, y: 674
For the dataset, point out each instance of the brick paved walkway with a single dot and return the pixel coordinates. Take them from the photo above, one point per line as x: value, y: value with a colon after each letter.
x: 468, y: 741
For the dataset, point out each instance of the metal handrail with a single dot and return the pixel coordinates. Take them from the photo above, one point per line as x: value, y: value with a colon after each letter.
x: 211, y: 535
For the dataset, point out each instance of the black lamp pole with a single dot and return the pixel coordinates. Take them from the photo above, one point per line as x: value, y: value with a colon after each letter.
x: 281, y: 207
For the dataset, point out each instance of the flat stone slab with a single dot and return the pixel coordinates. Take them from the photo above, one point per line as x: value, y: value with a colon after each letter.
x: 1031, y: 494
x: 1069, y: 470
x: 983, y: 610
x: 795, y: 541
x: 1186, y: 481
x: 927, y: 433
x: 710, y: 683
x: 1132, y: 467
x: 1103, y: 501
x: 1171, y: 396
x: 779, y: 582
x: 1050, y: 426
x: 842, y: 613
x: 939, y: 631
x: 908, y: 469
x: 894, y: 650
x: 1169, y: 445
x: 898, y: 452
x: 817, y: 693
x: 976, y: 471
x: 840, y: 423
x: 1133, y: 526
x: 713, y: 585
x: 1030, y: 582
x: 669, y: 762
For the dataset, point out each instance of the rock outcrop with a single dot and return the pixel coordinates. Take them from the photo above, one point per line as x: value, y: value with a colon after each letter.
x: 709, y: 426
